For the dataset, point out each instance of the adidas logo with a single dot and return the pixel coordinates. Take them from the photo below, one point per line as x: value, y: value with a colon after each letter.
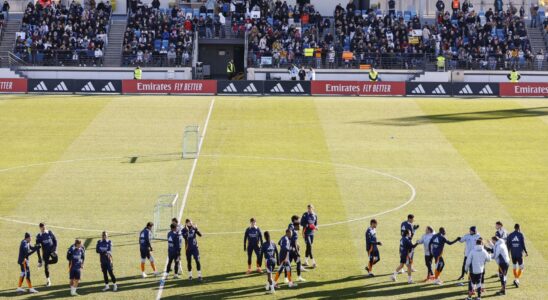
x: 41, y: 87
x: 418, y: 90
x: 88, y: 87
x: 250, y: 88
x: 486, y: 90
x: 297, y: 89
x: 277, y: 89
x: 61, y: 87
x: 466, y: 90
x: 515, y: 239
x: 108, y: 88
x: 439, y: 90
x: 230, y: 89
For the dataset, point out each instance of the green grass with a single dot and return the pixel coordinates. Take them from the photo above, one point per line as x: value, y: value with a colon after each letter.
x: 472, y: 162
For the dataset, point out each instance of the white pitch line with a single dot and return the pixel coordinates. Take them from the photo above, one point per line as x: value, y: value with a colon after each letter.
x: 61, y: 227
x: 409, y: 185
x: 187, y: 191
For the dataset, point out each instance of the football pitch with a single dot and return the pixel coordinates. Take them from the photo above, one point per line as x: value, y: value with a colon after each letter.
x: 84, y: 164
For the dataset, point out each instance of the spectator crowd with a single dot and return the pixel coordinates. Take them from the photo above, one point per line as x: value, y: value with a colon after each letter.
x: 54, y: 34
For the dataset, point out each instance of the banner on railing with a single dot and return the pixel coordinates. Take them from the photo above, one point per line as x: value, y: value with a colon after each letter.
x: 535, y: 89
x: 97, y: 86
x: 226, y: 87
x: 463, y: 89
x: 13, y: 85
x: 204, y: 87
x: 51, y: 86
x: 360, y: 88
x: 428, y: 89
x: 287, y: 87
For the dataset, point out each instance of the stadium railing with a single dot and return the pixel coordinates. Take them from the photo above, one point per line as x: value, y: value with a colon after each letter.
x: 426, y: 62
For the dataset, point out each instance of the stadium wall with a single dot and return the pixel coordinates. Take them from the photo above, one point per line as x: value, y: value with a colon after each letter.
x: 271, y: 87
x: 103, y: 73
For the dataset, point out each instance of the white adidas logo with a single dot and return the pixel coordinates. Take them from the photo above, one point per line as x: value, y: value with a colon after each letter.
x: 230, y: 89
x: 297, y: 89
x: 418, y: 90
x: 439, y: 90
x: 486, y: 90
x: 466, y: 90
x: 41, y: 87
x: 277, y: 89
x: 88, y: 87
x: 515, y: 239
x: 250, y: 88
x: 61, y: 87
x: 108, y: 88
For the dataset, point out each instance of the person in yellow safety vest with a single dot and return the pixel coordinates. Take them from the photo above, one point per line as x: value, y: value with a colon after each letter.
x: 441, y: 62
x: 373, y: 75
x: 514, y: 76
x: 137, y: 73
x: 230, y: 69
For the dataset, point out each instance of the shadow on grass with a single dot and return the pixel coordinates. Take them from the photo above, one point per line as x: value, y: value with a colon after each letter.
x: 463, y: 117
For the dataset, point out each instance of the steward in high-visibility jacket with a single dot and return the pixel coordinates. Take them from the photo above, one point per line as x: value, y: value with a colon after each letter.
x: 441, y: 62
x: 514, y: 76
x: 230, y: 69
x: 137, y: 73
x: 373, y: 75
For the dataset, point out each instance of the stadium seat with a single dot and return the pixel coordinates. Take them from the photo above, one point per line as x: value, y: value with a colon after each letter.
x: 196, y: 12
x: 157, y: 44
x: 165, y: 44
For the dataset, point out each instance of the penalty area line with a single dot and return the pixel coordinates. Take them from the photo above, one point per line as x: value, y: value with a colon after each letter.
x: 187, y: 191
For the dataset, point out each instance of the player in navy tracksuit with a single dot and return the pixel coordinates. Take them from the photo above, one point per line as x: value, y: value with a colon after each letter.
x: 285, y: 249
x: 408, y: 226
x: 294, y: 253
x: 270, y: 252
x: 253, y: 239
x: 104, y: 249
x: 309, y: 224
x: 145, y: 248
x: 75, y: 256
x: 516, y: 245
x: 406, y: 248
x: 48, y: 242
x: 190, y: 234
x: 437, y: 243
x: 371, y: 246
x: 25, y: 250
x: 174, y: 244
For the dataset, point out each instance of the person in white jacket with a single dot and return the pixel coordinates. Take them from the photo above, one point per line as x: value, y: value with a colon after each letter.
x: 475, y: 264
x: 500, y: 255
x: 425, y: 241
x: 470, y: 240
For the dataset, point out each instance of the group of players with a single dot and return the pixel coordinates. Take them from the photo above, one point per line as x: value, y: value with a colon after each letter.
x: 47, y: 242
x: 289, y: 249
x: 502, y: 247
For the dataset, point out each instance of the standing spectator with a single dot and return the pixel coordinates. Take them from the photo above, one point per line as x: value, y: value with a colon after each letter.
x: 98, y: 57
x: 498, y: 6
x: 521, y: 12
x: 156, y: 4
x: 392, y: 8
x: 540, y: 59
x: 534, y: 16
x: 302, y: 73
x: 171, y: 55
x: 440, y: 6
x: 455, y: 5
x: 6, y: 10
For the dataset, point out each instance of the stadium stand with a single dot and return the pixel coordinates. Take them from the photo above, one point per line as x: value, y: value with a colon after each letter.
x: 490, y: 40
x: 159, y: 37
x: 54, y: 34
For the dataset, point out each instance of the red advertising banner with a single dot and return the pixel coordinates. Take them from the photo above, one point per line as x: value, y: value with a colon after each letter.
x: 361, y: 88
x: 13, y: 85
x: 169, y: 87
x: 538, y: 89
